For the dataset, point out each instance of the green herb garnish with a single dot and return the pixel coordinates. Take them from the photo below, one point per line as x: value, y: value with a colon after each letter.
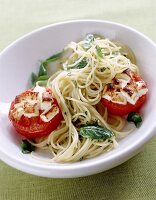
x: 26, y: 147
x: 103, y: 69
x: 86, y: 113
x: 53, y: 58
x: 82, y: 63
x: 99, y: 51
x: 34, y: 79
x: 96, y: 132
x: 42, y: 74
x: 42, y: 69
x: 88, y: 41
x: 43, y: 78
x: 79, y: 65
x: 135, y: 118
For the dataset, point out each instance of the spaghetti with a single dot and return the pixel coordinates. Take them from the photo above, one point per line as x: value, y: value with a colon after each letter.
x: 77, y: 87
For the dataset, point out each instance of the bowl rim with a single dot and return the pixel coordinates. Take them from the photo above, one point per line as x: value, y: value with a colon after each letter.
x: 79, y: 170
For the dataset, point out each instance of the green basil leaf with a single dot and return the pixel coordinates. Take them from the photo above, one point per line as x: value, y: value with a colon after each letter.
x: 96, y: 132
x: 43, y: 78
x: 135, y: 118
x: 82, y: 63
x: 99, y: 51
x: 34, y: 79
x: 87, y: 45
x: 79, y: 65
x: 26, y: 147
x: 53, y: 58
x: 88, y: 41
x: 89, y: 37
x: 43, y: 83
x: 42, y: 74
x: 42, y: 69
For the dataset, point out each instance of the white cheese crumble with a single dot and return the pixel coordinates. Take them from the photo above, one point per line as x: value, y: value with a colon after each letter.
x: 124, y: 89
x: 37, y: 102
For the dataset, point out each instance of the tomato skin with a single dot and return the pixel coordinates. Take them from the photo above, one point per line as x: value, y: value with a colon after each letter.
x: 121, y: 109
x: 124, y: 109
x: 34, y: 127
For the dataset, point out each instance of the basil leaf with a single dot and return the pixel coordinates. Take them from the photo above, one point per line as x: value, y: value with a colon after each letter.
x: 99, y: 51
x: 89, y: 37
x: 135, y: 118
x: 103, y: 69
x: 86, y: 45
x: 42, y: 74
x: 34, y: 79
x: 26, y: 147
x: 53, y: 58
x: 88, y: 41
x: 79, y: 65
x: 82, y: 63
x: 96, y: 132
x: 43, y: 83
x: 42, y: 69
x: 43, y: 78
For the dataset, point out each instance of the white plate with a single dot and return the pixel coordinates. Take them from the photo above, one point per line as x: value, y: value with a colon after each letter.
x: 21, y: 58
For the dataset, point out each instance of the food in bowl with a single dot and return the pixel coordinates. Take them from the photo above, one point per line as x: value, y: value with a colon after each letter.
x: 80, y: 111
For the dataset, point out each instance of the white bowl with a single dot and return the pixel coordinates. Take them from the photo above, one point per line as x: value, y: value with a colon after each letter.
x: 21, y: 58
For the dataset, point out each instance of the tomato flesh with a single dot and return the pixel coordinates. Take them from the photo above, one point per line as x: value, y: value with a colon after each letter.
x: 34, y: 127
x: 124, y: 109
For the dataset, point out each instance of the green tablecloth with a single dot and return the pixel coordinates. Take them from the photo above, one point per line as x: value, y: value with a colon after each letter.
x: 133, y: 180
